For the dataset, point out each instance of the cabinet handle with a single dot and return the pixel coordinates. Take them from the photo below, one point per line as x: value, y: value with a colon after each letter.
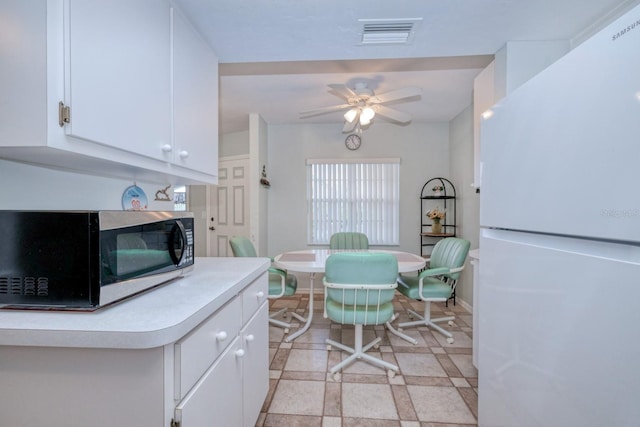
x: 240, y: 353
x: 260, y: 294
x: 250, y: 337
x: 167, y: 148
x: 221, y: 336
x: 184, y: 154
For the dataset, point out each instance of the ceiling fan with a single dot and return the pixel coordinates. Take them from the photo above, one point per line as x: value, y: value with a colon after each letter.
x: 362, y: 104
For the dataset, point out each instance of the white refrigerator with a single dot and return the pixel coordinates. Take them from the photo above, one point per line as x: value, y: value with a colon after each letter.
x: 559, y: 287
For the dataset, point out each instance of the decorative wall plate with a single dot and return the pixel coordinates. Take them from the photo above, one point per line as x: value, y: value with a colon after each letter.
x: 134, y: 199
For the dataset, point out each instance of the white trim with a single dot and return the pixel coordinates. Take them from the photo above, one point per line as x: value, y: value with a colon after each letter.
x: 395, y: 160
x: 232, y: 158
x: 464, y: 305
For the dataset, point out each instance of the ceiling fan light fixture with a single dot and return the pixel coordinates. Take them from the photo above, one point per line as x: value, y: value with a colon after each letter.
x: 366, y: 115
x: 350, y: 115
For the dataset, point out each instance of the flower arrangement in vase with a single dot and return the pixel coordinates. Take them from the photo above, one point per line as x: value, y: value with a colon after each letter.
x: 437, y: 190
x: 436, y: 216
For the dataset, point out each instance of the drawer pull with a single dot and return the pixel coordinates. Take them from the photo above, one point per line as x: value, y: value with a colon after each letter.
x: 250, y: 338
x: 260, y: 294
x: 240, y: 353
x: 221, y: 336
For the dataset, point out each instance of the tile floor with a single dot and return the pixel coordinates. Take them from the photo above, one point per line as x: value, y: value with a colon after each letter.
x: 436, y: 386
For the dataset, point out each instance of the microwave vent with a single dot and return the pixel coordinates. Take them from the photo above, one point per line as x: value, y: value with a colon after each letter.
x: 27, y: 286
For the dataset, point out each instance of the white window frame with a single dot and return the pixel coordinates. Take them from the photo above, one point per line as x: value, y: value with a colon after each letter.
x: 358, y: 195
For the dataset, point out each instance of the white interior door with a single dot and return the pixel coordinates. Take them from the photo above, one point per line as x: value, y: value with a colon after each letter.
x: 229, y: 205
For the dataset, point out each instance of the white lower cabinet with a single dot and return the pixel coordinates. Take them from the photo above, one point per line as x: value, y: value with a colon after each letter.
x: 255, y: 372
x: 216, y: 400
x: 222, y: 367
x: 232, y: 390
x: 213, y: 373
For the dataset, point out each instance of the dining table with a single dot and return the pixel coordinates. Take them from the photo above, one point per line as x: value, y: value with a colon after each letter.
x: 313, y: 261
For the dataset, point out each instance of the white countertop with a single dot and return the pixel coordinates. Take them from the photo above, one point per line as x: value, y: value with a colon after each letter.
x: 155, y: 318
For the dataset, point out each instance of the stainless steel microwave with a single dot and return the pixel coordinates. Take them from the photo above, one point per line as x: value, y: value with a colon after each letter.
x: 84, y: 260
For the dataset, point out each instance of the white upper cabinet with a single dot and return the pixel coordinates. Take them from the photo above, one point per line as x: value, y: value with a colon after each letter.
x: 118, y: 87
x: 195, y: 98
x: 140, y: 84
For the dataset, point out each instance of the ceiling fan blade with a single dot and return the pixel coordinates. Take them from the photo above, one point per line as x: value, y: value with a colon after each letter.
x: 342, y: 91
x: 394, y: 95
x: 324, y: 110
x: 349, y: 126
x: 391, y: 114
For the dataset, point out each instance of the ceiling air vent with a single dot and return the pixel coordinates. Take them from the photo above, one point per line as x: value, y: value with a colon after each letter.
x: 386, y: 31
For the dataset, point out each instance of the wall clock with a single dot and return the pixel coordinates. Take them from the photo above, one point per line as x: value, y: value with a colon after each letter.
x: 353, y: 141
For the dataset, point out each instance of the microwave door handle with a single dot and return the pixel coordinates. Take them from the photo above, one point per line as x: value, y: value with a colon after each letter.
x: 178, y: 227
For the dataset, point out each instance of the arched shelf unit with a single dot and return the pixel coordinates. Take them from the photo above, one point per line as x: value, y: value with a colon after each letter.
x: 442, y: 199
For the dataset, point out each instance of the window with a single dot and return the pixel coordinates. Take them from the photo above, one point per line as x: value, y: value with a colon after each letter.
x: 180, y: 199
x: 353, y: 195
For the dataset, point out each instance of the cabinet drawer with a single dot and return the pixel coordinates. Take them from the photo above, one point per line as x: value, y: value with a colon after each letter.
x: 195, y: 353
x: 216, y: 399
x: 253, y: 297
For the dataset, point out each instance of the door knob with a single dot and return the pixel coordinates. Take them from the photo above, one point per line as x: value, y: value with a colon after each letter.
x: 212, y: 228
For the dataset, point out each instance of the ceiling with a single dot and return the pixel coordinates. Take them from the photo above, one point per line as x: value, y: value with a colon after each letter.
x: 278, y: 56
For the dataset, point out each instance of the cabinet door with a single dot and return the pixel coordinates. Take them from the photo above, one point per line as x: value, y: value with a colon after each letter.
x: 195, y: 99
x: 216, y: 400
x: 23, y: 69
x: 200, y: 348
x: 117, y: 80
x: 255, y: 338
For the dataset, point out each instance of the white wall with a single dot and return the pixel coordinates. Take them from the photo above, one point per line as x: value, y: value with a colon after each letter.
x: 258, y: 195
x: 424, y: 153
x: 468, y: 201
x: 31, y: 187
x: 233, y: 144
x: 519, y: 61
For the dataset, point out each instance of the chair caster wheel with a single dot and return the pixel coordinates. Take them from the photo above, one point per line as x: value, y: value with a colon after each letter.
x: 328, y: 347
x: 450, y: 340
x: 399, y: 329
x: 337, y: 377
x: 286, y: 330
x: 376, y: 346
x: 391, y: 373
x: 450, y: 322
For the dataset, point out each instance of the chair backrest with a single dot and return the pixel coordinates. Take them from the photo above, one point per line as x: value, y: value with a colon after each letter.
x: 242, y: 247
x: 450, y: 252
x: 361, y: 268
x: 349, y: 240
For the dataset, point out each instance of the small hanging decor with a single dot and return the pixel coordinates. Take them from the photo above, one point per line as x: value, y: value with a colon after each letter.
x: 162, y: 195
x: 264, y: 181
x: 134, y: 199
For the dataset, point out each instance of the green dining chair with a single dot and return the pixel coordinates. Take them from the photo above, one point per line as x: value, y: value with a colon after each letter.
x: 436, y: 283
x: 280, y: 283
x: 359, y: 290
x: 349, y: 240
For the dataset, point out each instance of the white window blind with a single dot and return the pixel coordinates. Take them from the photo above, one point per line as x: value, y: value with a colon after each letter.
x: 353, y: 195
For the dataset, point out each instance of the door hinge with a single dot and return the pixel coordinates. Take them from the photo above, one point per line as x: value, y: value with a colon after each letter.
x: 175, y: 423
x: 64, y: 114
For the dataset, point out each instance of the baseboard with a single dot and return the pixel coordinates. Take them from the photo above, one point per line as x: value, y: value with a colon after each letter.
x: 465, y: 305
